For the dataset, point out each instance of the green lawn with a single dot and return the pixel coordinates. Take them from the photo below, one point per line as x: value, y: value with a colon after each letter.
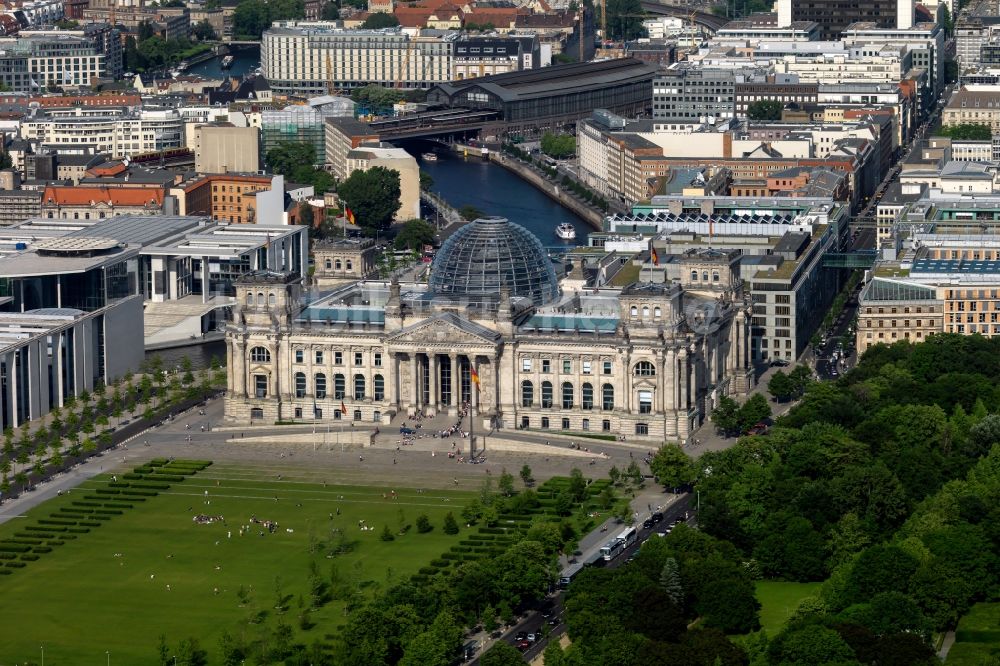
x: 977, y: 638
x: 107, y: 591
x: 779, y: 600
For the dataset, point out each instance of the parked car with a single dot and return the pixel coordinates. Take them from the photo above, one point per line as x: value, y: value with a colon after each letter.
x: 657, y: 517
x: 407, y: 431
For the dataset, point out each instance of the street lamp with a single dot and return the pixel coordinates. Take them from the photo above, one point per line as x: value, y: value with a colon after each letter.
x: 42, y: 648
x: 108, y: 654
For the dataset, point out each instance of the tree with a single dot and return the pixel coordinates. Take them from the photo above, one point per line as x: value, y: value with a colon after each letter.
x: 526, y: 476
x: 624, y: 19
x: 730, y: 605
x: 502, y: 654
x: 414, y: 235
x: 753, y: 411
x: 253, y: 17
x: 287, y: 156
x: 780, y: 386
x: 672, y: 467
x: 506, y: 483
x: 189, y: 653
x: 450, y: 524
x: 377, y: 97
x: 765, y: 109
x: 813, y: 645
x: 470, y: 213
x: 380, y: 20
x: 373, y: 197
x: 968, y: 132
x: 424, y: 524
x: 203, y: 31
x: 558, y: 146
x: 725, y: 416
x: 670, y: 581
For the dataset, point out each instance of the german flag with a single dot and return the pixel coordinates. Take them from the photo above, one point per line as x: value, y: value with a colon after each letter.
x: 343, y: 408
x: 349, y: 214
x: 474, y: 375
x: 653, y: 255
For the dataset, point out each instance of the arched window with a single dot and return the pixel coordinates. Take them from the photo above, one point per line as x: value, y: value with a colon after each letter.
x: 715, y: 276
x: 645, y: 310
x: 250, y: 299
x: 607, y: 397
x: 328, y: 264
x: 350, y: 264
x: 527, y: 393
x: 546, y: 394
x: 300, y: 384
x: 657, y: 313
x: 644, y: 369
x: 320, y: 385
x: 260, y: 298
x: 694, y: 276
x: 378, y: 386
x: 336, y: 264
x: 634, y: 311
x: 704, y: 276
x: 271, y: 300
x: 260, y: 355
x: 359, y: 387
x: 338, y: 387
x: 567, y: 395
x: 588, y: 396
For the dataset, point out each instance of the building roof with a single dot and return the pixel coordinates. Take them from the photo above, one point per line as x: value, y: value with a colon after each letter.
x: 112, y: 196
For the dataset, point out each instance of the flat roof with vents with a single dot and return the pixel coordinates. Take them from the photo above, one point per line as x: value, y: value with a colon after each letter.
x: 76, y: 245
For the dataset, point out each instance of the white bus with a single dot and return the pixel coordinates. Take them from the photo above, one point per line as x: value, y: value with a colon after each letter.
x: 568, y: 574
x: 627, y: 537
x: 612, y: 549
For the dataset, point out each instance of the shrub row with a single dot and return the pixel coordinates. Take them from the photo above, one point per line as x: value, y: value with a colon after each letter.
x: 140, y: 495
x: 107, y: 491
x: 86, y: 503
x: 54, y: 542
x: 42, y: 549
x: 132, y: 476
x: 117, y: 505
x: 29, y: 557
x: 15, y: 565
x: 86, y: 523
x: 157, y: 462
x: 427, y: 571
x: 69, y: 509
x: 53, y: 521
x: 8, y: 547
x: 107, y: 512
x: 152, y: 486
x: 30, y: 538
x: 8, y: 556
x: 77, y: 530
x: 172, y: 478
x: 47, y: 528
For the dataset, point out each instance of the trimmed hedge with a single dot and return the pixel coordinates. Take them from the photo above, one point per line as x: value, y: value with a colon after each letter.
x: 29, y: 557
x: 47, y: 528
x: 427, y: 571
x: 118, y: 505
x: 107, y: 491
x: 440, y: 563
x: 140, y: 494
x: 173, y: 478
x: 42, y: 549
x: 77, y: 530
x: 8, y: 556
x: 132, y: 477
x: 15, y: 565
x: 52, y: 521
x: 86, y: 503
x: 152, y: 486
x: 158, y: 462
x: 14, y: 548
x: 55, y: 542
x: 451, y: 556
x: 108, y: 512
x: 98, y: 516
x: 73, y: 510
x: 87, y: 523
x: 32, y: 541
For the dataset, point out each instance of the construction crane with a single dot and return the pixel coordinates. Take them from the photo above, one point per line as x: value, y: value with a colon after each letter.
x: 406, y: 63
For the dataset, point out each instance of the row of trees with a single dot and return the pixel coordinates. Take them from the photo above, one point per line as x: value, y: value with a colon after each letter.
x: 558, y: 146
x: 297, y: 162
x: 968, y: 132
x: 81, y: 426
x: 253, y: 17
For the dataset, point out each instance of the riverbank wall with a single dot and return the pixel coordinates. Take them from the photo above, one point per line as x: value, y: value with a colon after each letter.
x: 592, y: 216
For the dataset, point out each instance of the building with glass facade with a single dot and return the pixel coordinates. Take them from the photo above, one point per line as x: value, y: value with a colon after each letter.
x: 303, y: 123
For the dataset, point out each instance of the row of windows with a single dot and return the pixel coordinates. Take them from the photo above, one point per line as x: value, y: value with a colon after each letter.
x: 586, y: 366
x: 339, y: 386
x: 335, y: 264
x: 587, y: 396
x: 338, y: 357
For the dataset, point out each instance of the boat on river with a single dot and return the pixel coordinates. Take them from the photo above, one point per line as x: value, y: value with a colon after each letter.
x: 429, y: 157
x: 566, y: 231
x: 228, y: 61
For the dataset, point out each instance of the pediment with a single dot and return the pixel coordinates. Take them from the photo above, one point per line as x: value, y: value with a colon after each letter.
x: 446, y: 330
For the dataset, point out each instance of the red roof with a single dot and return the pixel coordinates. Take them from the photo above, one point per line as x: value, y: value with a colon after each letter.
x: 83, y: 195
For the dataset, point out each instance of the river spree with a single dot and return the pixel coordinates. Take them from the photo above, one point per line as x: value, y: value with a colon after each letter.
x: 246, y: 60
x: 495, y: 191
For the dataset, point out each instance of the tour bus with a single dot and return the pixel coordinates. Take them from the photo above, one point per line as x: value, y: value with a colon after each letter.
x: 627, y: 537
x: 569, y: 573
x: 612, y: 549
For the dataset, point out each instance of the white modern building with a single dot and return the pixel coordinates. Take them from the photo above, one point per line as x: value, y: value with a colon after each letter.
x: 119, y: 132
x: 313, y: 58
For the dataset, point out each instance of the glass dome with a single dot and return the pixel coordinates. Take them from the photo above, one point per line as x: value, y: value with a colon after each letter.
x: 490, y: 253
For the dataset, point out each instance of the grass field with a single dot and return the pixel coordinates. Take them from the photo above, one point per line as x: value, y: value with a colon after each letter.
x: 152, y: 571
x: 779, y: 600
x: 977, y: 638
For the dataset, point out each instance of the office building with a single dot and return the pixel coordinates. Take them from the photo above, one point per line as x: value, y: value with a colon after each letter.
x: 834, y: 16
x: 303, y: 123
x: 119, y: 132
x: 224, y: 148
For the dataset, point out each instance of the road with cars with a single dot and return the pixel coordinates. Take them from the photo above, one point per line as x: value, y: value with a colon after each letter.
x: 527, y: 635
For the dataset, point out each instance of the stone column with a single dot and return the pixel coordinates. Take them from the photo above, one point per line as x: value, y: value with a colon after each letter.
x: 433, y: 379
x: 390, y: 381
x: 684, y: 380
x: 453, y: 401
x: 413, y: 382
x: 474, y: 397
x: 240, y: 369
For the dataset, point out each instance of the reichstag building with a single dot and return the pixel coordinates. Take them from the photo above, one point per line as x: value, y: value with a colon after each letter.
x: 647, y: 361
